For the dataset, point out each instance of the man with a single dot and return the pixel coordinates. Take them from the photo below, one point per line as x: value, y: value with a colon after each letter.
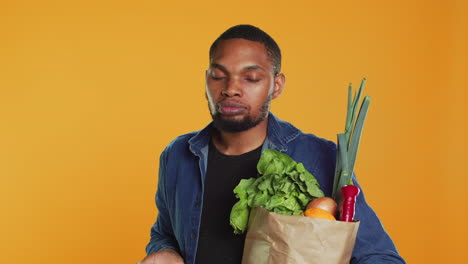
x: 199, y: 170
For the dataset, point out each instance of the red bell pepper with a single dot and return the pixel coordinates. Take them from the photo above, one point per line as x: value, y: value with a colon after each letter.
x: 348, y: 202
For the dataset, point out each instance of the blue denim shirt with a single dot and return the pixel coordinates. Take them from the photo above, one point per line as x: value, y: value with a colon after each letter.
x: 182, y: 171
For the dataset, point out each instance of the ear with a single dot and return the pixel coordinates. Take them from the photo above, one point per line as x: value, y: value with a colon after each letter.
x: 279, y: 82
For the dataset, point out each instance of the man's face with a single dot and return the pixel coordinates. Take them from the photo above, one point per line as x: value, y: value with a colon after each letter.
x: 240, y: 85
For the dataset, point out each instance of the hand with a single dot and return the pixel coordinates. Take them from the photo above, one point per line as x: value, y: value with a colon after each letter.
x: 165, y: 256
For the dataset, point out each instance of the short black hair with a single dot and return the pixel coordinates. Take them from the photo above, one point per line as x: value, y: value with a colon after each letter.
x: 252, y: 33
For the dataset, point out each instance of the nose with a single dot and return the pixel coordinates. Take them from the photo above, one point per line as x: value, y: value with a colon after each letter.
x: 232, y: 88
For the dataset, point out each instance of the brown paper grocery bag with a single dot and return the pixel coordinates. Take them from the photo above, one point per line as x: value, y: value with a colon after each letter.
x: 282, y: 239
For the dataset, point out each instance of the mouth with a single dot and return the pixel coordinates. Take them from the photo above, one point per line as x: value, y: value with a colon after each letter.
x: 231, y: 108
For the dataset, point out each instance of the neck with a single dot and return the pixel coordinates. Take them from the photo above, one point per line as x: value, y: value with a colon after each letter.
x: 237, y: 143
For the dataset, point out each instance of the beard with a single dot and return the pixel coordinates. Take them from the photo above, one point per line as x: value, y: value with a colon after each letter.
x: 244, y: 124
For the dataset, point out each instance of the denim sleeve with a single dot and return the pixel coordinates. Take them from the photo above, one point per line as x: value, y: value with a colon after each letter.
x: 373, y: 244
x: 162, y: 234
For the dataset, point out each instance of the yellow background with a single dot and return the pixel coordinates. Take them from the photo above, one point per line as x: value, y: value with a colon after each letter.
x: 92, y: 91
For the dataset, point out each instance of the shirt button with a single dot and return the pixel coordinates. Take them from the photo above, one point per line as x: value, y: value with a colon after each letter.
x: 192, y: 235
x: 197, y: 205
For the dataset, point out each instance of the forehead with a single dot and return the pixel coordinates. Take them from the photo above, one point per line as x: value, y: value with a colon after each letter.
x: 239, y: 52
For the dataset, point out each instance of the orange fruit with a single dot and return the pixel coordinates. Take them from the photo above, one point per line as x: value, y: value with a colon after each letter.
x: 319, y: 213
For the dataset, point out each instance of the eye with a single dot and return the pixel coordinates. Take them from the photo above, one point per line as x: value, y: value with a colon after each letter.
x: 253, y: 76
x: 217, y: 76
x: 252, y: 80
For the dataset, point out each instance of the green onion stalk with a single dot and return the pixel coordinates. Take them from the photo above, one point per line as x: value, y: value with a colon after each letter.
x: 344, y: 191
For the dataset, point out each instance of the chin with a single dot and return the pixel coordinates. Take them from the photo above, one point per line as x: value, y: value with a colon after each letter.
x: 234, y: 123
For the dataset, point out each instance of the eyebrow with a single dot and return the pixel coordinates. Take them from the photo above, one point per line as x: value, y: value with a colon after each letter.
x: 253, y: 67
x: 247, y: 68
x: 219, y: 66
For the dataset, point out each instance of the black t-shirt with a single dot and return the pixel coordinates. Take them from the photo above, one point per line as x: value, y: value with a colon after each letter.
x: 217, y: 242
